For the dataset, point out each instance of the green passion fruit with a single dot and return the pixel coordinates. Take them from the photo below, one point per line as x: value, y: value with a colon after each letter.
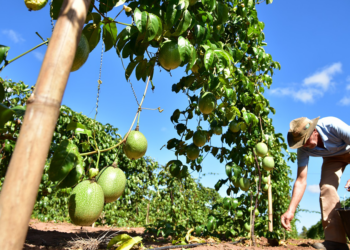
x: 265, y: 187
x: 192, y: 152
x: 234, y: 126
x: 239, y: 214
x: 247, y: 227
x: 265, y: 179
x: 268, y: 163
x: 261, y: 149
x: 244, y: 184
x: 199, y: 138
x: 85, y: 203
x: 35, y: 4
x: 135, y: 146
x: 169, y: 55
x: 227, y: 202
x: 207, y: 103
x: 113, y: 181
x: 81, y: 54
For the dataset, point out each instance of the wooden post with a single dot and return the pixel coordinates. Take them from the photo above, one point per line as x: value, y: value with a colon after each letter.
x: 269, y: 197
x: 28, y: 160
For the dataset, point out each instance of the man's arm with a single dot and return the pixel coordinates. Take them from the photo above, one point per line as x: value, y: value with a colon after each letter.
x: 298, y: 192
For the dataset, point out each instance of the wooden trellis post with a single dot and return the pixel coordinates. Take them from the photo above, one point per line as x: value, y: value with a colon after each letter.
x: 269, y: 197
x: 24, y: 173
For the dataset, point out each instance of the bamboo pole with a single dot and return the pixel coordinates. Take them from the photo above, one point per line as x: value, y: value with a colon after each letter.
x: 28, y: 160
x: 269, y: 197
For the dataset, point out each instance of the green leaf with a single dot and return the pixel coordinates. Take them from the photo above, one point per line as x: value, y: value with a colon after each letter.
x: 184, y: 23
x: 209, y: 59
x: 2, y: 92
x: 230, y: 94
x: 3, y: 53
x: 93, y: 34
x: 127, y: 50
x: 246, y: 117
x: 141, y: 67
x: 109, y: 34
x: 107, y: 5
x: 94, y: 17
x: 185, y: 48
x: 130, y: 69
x: 118, y: 239
x: 65, y: 158
x: 138, y: 19
x: 55, y: 9
x: 6, y: 114
x: 154, y: 27
x: 222, y: 12
x: 19, y: 110
x: 200, y: 34
x: 171, y: 14
x: 75, y: 175
x: 127, y: 245
x: 78, y: 128
x: 209, y: 4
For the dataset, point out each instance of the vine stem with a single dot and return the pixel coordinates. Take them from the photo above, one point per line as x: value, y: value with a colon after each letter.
x: 10, y: 61
x: 127, y: 134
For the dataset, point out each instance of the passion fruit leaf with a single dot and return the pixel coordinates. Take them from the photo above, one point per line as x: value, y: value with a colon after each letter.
x: 2, y: 92
x: 6, y: 114
x: 209, y: 4
x: 127, y: 245
x: 65, y: 158
x: 154, y: 27
x: 130, y: 69
x: 19, y: 110
x: 93, y: 33
x: 74, y: 176
x: 118, y: 240
x: 171, y: 14
x: 78, y: 128
x: 94, y: 17
x: 3, y: 54
x: 185, y: 48
x: 109, y: 33
x: 209, y: 59
x: 107, y: 5
x: 222, y: 13
x: 184, y: 23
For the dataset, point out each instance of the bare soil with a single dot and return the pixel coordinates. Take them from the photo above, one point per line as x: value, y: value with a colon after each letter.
x: 57, y: 236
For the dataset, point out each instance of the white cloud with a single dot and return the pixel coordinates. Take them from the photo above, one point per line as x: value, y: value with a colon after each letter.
x: 313, y: 86
x: 38, y: 55
x: 13, y: 35
x: 348, y: 87
x: 313, y: 188
x: 304, y: 95
x: 323, y: 79
x: 345, y: 101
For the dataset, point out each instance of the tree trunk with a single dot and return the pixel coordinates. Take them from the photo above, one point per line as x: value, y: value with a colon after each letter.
x: 28, y: 160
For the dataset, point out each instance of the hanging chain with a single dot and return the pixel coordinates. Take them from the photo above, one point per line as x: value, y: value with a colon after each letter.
x: 134, y: 93
x: 51, y: 15
x: 99, y: 80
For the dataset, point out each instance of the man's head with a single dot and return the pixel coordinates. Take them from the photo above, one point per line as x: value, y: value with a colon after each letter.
x: 300, y: 131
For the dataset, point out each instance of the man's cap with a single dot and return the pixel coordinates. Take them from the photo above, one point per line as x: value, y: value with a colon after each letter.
x: 300, y: 131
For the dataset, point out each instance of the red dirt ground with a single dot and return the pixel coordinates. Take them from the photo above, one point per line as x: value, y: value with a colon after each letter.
x: 54, y: 236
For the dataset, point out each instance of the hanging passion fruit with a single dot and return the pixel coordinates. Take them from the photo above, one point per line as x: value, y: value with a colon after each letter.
x: 135, y: 146
x: 169, y: 55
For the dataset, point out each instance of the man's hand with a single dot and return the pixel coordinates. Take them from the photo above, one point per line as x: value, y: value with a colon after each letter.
x: 347, y: 185
x: 286, y: 218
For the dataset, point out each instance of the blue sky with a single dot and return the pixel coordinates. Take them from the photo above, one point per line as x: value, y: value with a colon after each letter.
x: 309, y: 39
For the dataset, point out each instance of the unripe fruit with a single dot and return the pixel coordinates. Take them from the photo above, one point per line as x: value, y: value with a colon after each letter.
x: 135, y: 146
x: 239, y: 213
x: 268, y: 163
x: 192, y: 152
x: 81, y: 54
x: 113, y: 181
x: 85, y: 203
x: 207, y: 103
x: 244, y: 184
x: 169, y: 55
x: 217, y: 130
x: 247, y: 227
x: 261, y: 149
x: 199, y: 138
x: 234, y: 126
x: 35, y: 4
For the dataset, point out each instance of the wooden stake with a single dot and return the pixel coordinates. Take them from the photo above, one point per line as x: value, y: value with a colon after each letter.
x: 28, y: 160
x: 269, y: 197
